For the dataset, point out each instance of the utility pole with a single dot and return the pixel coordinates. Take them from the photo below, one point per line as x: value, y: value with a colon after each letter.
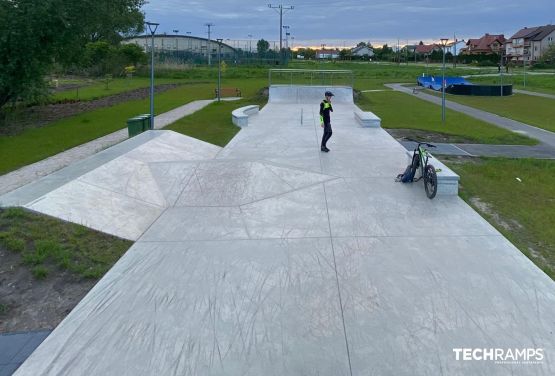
x: 209, y: 26
x: 455, y: 50
x: 407, y: 53
x: 399, y: 54
x: 280, y: 8
x: 286, y: 35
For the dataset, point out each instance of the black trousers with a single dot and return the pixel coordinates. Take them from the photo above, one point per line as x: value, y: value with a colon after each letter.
x: 327, y: 134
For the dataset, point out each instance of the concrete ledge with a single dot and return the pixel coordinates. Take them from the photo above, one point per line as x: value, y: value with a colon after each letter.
x: 240, y: 116
x: 367, y: 119
x: 447, y: 179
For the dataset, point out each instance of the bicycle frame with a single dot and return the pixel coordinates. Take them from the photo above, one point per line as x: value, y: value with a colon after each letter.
x: 423, y: 156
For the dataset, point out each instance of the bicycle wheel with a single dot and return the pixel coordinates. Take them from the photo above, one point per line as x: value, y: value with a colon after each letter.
x: 430, y: 181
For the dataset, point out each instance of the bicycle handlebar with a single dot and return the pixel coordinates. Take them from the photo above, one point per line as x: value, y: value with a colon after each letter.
x: 420, y: 143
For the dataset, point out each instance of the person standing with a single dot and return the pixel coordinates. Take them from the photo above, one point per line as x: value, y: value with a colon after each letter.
x: 325, y: 109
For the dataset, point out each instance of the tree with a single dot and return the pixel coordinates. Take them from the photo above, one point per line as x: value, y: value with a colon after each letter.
x: 548, y: 57
x: 262, y: 46
x: 345, y: 54
x: 35, y: 34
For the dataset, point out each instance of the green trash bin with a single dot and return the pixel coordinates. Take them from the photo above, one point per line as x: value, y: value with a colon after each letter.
x: 135, y: 126
x: 146, y: 121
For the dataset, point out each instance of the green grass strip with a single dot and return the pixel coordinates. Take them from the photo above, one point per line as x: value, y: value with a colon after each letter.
x: 402, y: 111
x: 48, y: 245
x: 528, y: 109
x: 524, y: 210
x: 36, y: 144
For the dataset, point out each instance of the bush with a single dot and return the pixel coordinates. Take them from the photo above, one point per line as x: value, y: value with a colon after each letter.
x: 102, y: 58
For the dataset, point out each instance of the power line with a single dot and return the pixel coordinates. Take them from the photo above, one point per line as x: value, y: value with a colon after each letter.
x: 280, y: 12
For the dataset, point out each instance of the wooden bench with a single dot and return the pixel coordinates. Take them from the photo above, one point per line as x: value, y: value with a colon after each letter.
x: 228, y: 92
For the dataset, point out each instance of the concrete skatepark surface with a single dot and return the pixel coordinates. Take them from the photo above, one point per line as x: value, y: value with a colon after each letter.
x: 268, y: 257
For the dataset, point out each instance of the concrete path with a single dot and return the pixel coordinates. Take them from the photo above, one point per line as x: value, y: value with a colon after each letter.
x: 16, y: 347
x: 30, y: 173
x: 273, y: 258
x: 483, y: 150
x: 528, y: 73
x: 544, y: 136
x: 534, y: 93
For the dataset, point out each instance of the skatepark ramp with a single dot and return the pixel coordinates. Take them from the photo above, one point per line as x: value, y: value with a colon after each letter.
x: 309, y: 86
x: 309, y: 94
x: 460, y: 86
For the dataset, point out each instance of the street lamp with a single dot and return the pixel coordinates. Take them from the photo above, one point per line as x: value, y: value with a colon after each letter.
x: 152, y: 27
x: 444, y: 44
x: 524, y: 65
x: 219, y: 68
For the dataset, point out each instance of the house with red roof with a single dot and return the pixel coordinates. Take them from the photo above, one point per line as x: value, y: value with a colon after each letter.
x: 427, y: 49
x: 487, y: 44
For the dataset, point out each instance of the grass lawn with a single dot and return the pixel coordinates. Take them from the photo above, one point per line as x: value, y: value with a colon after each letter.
x: 522, y: 211
x: 48, y: 245
x: 100, y: 89
x: 532, y: 110
x: 541, y: 83
x: 402, y: 111
x: 35, y: 144
x: 213, y: 123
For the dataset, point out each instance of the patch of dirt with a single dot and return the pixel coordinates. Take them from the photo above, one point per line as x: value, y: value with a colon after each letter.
x: 31, y: 304
x: 39, y: 116
x: 427, y: 136
x: 486, y: 208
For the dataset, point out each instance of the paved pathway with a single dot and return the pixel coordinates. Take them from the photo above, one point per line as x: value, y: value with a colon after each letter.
x: 270, y: 257
x: 544, y: 136
x: 483, y: 150
x: 534, y: 93
x: 16, y: 347
x: 510, y: 74
x: 27, y: 174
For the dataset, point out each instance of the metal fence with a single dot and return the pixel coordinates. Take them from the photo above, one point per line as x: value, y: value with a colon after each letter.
x: 311, y: 77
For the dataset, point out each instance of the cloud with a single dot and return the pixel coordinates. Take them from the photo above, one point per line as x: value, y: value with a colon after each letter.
x: 352, y: 19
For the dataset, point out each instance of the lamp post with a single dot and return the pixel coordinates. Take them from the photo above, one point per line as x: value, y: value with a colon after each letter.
x: 444, y: 44
x: 152, y: 27
x: 219, y: 68
x: 501, y: 70
x: 524, y: 66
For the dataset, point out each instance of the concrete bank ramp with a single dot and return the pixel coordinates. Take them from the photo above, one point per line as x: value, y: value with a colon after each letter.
x: 309, y: 94
x: 273, y: 258
x: 122, y: 190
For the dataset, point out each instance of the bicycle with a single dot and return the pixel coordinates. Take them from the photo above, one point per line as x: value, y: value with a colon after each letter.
x: 420, y: 158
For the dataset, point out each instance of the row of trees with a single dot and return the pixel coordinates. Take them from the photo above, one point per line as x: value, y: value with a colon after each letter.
x: 37, y: 35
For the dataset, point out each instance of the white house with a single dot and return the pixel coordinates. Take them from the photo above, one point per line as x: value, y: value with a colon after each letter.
x: 327, y: 54
x: 530, y: 43
x: 362, y: 50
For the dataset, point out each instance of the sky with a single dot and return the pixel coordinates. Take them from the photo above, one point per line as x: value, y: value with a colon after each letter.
x: 345, y: 23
